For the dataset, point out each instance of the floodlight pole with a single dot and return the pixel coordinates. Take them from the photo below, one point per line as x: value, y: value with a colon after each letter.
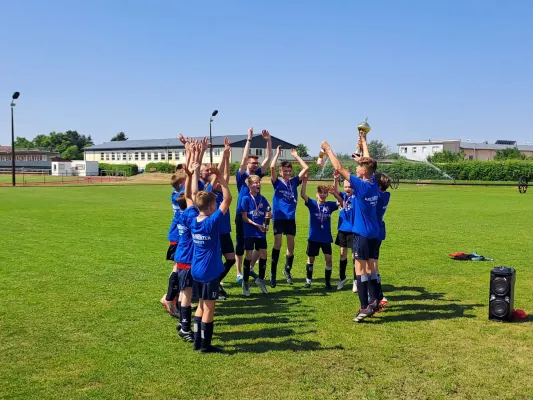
x: 13, y: 179
x: 211, y: 138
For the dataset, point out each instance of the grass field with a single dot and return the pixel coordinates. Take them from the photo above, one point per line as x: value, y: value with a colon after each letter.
x: 82, y: 270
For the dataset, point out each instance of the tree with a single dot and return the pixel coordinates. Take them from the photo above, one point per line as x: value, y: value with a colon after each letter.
x: 119, y: 137
x: 302, y: 150
x: 510, y: 153
x: 446, y: 156
x: 72, y: 153
x: 23, y: 143
x: 378, y: 149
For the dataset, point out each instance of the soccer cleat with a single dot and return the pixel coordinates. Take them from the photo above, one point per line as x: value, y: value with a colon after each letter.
x: 239, y: 279
x: 354, y: 289
x: 186, y: 336
x: 341, y: 283
x: 261, y: 283
x: 167, y: 305
x: 383, y: 302
x: 365, y: 313
x: 245, y: 289
x: 307, y: 285
x: 210, y: 349
x: 222, y: 295
x: 328, y: 286
x: 287, y: 273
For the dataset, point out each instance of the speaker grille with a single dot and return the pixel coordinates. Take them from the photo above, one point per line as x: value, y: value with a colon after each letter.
x: 499, y: 308
x: 499, y: 286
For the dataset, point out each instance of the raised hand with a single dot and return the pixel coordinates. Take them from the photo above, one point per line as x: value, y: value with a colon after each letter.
x: 250, y: 133
x: 214, y: 171
x: 278, y: 151
x: 294, y: 153
x: 265, y: 134
x: 336, y: 174
x: 183, y: 139
x: 227, y: 145
x: 325, y: 146
x: 205, y: 144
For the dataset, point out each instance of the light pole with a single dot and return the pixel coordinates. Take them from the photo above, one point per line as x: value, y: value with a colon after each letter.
x: 15, y: 97
x: 211, y: 137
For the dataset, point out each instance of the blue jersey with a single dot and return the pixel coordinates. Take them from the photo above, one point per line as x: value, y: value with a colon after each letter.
x: 285, y: 198
x: 383, y: 202
x: 206, y: 261
x: 320, y: 220
x: 242, y: 187
x: 185, y: 249
x: 201, y: 185
x: 225, y: 224
x: 365, y: 217
x: 346, y: 214
x: 255, y: 208
x: 173, y: 230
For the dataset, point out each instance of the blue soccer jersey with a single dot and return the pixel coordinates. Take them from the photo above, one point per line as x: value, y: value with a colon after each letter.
x: 173, y: 230
x: 184, y: 251
x: 365, y: 216
x: 256, y: 209
x: 207, y: 261
x: 225, y: 224
x: 201, y: 185
x: 320, y: 220
x: 346, y: 213
x: 242, y: 187
x: 383, y: 202
x: 285, y: 198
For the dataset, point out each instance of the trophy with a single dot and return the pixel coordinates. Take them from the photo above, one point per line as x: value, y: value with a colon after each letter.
x: 363, y: 129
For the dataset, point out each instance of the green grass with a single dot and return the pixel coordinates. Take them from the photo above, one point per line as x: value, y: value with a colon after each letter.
x: 82, y: 270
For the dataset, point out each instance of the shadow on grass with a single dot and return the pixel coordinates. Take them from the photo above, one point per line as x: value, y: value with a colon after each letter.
x: 529, y: 318
x: 422, y: 293
x: 425, y: 312
x: 289, y: 344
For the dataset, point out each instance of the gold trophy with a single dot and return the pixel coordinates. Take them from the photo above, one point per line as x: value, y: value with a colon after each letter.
x: 363, y: 129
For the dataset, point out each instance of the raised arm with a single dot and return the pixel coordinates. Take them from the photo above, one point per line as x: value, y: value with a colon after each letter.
x: 273, y: 173
x: 334, y: 191
x: 303, y: 190
x: 246, y: 150
x: 195, y: 167
x: 188, y: 187
x: 268, y: 154
x: 366, y: 153
x: 305, y: 167
x: 226, y: 195
x: 204, y: 145
x: 335, y: 161
x: 226, y: 157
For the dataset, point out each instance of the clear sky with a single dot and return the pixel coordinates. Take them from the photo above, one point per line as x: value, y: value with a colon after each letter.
x: 305, y: 70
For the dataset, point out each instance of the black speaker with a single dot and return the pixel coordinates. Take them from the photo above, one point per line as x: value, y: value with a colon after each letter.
x: 501, y: 294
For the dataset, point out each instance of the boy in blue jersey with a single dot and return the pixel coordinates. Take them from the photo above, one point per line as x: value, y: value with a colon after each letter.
x: 384, y: 182
x: 226, y: 243
x: 365, y: 226
x: 344, y: 237
x: 284, y: 204
x: 206, y: 262
x: 319, y: 237
x: 249, y: 166
x: 255, y: 211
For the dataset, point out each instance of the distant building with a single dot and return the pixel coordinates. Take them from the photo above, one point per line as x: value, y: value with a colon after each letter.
x: 419, y: 151
x: 27, y: 158
x: 142, y: 152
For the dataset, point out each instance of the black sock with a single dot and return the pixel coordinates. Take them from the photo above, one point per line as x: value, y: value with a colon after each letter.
x: 275, y: 259
x: 373, y: 287
x: 342, y: 269
x: 380, y: 289
x: 227, y: 266
x: 288, y: 261
x: 186, y: 318
x: 207, y: 334
x: 309, y: 270
x: 173, y: 286
x: 197, y: 333
x: 328, y: 275
x: 262, y: 268
x: 362, y: 290
x: 246, y: 270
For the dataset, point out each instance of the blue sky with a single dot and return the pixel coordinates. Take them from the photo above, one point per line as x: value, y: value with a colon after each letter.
x: 304, y: 70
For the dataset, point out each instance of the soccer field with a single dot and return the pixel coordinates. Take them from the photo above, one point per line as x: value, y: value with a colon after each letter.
x: 82, y: 271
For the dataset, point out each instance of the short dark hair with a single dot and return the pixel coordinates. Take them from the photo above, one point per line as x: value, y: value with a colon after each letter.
x: 368, y: 163
x: 204, y: 199
x: 383, y: 181
x: 286, y: 164
x: 322, y: 189
x: 182, y: 203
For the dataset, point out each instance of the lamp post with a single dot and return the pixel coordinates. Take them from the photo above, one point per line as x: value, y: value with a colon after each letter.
x: 15, y: 97
x: 211, y: 137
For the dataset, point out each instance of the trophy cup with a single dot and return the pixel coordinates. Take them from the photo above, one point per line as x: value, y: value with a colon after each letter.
x: 363, y: 129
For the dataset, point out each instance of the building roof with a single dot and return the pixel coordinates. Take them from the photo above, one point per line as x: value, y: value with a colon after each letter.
x: 490, y: 146
x: 7, y: 149
x: 173, y: 143
x: 428, y: 142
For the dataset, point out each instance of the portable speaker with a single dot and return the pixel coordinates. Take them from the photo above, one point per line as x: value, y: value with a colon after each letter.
x: 501, y: 294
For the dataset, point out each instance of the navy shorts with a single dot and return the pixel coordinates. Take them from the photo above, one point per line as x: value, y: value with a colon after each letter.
x: 171, y: 252
x: 207, y: 290
x: 185, y: 278
x: 364, y: 248
x: 285, y: 227
x: 226, y: 243
x: 375, y: 256
x: 239, y: 235
x: 344, y: 239
x: 313, y: 248
x: 257, y: 243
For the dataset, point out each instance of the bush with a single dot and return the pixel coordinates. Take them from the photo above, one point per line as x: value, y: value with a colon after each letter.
x: 130, y: 169
x: 163, y: 167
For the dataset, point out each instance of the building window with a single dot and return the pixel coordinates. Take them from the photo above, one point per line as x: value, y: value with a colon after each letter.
x: 156, y: 155
x: 414, y: 150
x: 101, y: 156
x: 113, y: 156
x: 162, y: 156
x: 435, y: 149
x: 107, y: 156
x: 148, y: 156
x: 176, y: 155
x: 403, y: 150
x: 470, y: 157
x: 216, y: 152
x: 130, y: 156
x: 169, y: 155
x: 124, y: 156
x: 424, y: 149
x: 259, y: 152
x: 136, y: 156
x: 142, y: 155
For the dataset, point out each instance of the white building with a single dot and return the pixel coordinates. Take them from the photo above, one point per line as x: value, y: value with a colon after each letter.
x: 74, y: 168
x: 142, y: 152
x: 419, y: 151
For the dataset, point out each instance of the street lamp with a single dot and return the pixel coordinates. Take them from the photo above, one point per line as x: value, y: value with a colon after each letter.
x: 211, y: 137
x: 15, y: 97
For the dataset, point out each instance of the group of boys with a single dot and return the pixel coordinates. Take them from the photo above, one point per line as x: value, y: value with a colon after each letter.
x: 200, y: 232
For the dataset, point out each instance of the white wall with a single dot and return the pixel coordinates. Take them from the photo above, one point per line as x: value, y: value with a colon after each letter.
x: 419, y: 152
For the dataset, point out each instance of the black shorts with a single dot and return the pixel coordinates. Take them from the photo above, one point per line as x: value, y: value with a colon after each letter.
x: 171, y: 251
x: 257, y: 243
x: 207, y: 290
x: 226, y: 243
x: 344, y: 239
x: 313, y: 248
x: 239, y: 235
x: 375, y: 256
x: 364, y: 248
x: 185, y: 278
x: 285, y: 227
